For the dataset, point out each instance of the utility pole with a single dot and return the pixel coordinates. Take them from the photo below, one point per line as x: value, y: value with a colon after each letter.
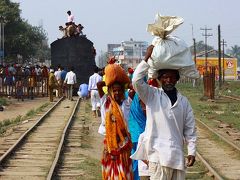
x: 224, y: 43
x: 206, y: 36
x: 194, y: 46
x: 194, y: 55
x: 219, y: 58
x: 2, y: 38
x: 194, y: 51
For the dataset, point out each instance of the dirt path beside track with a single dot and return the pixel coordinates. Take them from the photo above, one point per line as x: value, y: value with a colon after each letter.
x: 92, y: 146
x: 20, y: 108
x: 91, y: 149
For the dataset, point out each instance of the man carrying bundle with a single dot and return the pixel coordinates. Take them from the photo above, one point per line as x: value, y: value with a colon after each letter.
x: 170, y: 120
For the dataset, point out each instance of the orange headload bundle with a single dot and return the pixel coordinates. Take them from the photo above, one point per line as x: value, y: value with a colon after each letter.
x: 115, y: 73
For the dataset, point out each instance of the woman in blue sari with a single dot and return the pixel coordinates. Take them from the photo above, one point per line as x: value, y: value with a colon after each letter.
x: 136, y: 124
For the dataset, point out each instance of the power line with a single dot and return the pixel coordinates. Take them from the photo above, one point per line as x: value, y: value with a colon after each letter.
x: 206, y: 35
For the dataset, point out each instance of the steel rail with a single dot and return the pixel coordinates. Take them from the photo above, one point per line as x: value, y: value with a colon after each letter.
x: 219, y: 135
x: 231, y: 97
x: 21, y: 139
x: 207, y: 165
x: 60, y: 147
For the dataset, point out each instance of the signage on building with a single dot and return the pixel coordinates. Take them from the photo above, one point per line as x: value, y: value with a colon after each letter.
x: 229, y: 65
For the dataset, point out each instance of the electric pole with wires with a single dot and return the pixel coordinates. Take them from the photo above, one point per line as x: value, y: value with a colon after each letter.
x: 206, y: 35
x: 224, y: 43
x: 219, y: 58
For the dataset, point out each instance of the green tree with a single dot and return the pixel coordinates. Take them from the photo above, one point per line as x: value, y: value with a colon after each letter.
x: 20, y: 37
x: 43, y: 52
x: 235, y: 52
x: 200, y: 47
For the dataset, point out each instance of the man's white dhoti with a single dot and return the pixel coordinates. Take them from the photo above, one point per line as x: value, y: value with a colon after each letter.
x: 95, y: 100
x: 158, y: 172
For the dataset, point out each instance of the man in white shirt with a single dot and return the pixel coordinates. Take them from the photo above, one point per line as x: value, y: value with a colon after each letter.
x: 93, y: 92
x: 170, y: 124
x: 70, y: 80
x: 70, y: 17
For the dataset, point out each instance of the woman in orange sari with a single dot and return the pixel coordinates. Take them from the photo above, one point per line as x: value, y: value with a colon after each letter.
x: 116, y: 162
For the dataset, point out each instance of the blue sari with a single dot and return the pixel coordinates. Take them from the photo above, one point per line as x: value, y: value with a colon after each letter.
x: 136, y: 124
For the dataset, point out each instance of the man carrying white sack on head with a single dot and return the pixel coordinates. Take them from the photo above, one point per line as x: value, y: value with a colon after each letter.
x: 170, y: 120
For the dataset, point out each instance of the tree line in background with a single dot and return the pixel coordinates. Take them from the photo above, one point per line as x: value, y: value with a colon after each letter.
x: 22, y: 39
x: 233, y: 51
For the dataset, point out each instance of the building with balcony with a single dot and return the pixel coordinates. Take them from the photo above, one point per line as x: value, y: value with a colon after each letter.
x: 111, y: 47
x: 130, y: 53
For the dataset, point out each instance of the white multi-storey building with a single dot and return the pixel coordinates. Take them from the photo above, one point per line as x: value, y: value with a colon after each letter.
x: 130, y: 53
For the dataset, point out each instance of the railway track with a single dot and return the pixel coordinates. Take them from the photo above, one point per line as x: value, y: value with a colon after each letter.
x: 72, y: 154
x: 231, y: 97
x: 220, y: 156
x: 217, y: 151
x: 9, y: 140
x: 36, y: 152
x: 43, y: 155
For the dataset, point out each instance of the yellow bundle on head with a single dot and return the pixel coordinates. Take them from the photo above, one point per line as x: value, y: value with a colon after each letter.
x: 115, y: 73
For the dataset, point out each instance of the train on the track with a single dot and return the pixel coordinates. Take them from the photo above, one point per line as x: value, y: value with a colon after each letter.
x: 76, y: 51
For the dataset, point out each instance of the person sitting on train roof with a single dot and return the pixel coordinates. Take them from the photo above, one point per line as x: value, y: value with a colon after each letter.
x: 79, y: 29
x: 71, y: 28
x: 63, y: 30
x: 70, y: 17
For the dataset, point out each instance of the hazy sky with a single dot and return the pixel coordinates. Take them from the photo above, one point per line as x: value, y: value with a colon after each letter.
x: 112, y: 21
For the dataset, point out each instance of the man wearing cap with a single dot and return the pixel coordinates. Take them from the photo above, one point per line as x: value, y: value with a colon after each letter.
x: 170, y: 124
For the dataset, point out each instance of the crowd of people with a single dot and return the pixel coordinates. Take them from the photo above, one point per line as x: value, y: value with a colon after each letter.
x: 62, y: 82
x: 145, y: 122
x: 15, y: 79
x: 30, y: 81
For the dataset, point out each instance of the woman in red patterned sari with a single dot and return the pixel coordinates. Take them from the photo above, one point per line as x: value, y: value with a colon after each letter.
x: 116, y: 162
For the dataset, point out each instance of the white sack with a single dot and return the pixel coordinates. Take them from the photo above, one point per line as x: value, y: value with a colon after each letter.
x: 164, y: 25
x: 169, y: 52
